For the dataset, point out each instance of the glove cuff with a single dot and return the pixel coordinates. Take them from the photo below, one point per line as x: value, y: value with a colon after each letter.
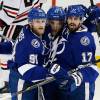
x: 55, y: 68
x: 78, y: 78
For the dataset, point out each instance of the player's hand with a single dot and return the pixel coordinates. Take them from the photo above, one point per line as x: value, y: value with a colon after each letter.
x: 71, y: 82
x: 75, y: 80
x: 59, y: 73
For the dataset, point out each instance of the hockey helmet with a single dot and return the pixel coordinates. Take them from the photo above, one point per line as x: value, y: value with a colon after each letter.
x: 76, y: 10
x: 56, y: 13
x: 36, y: 13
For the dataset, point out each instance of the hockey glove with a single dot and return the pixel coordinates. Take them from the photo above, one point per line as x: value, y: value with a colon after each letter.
x: 75, y: 80
x: 90, y: 73
x: 71, y: 82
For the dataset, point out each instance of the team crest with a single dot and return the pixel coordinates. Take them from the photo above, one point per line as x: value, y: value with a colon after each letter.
x: 35, y: 43
x: 85, y: 41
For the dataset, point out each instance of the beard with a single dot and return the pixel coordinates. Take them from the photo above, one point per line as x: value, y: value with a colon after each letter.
x: 73, y: 28
x: 39, y: 31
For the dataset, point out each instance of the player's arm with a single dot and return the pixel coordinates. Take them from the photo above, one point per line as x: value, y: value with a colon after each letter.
x: 73, y: 79
x: 29, y: 71
x: 32, y: 72
x: 6, y: 47
x: 5, y: 53
x: 27, y: 65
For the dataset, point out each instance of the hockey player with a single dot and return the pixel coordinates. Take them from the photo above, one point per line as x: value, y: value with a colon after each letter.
x: 93, y: 18
x: 54, y: 27
x: 28, y: 56
x: 12, y: 19
x: 55, y: 23
x: 93, y: 24
x: 73, y: 67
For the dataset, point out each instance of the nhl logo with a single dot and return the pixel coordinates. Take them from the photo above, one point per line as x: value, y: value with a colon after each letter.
x: 35, y: 43
x: 85, y: 41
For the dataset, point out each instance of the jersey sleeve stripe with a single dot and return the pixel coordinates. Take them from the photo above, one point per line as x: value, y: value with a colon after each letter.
x: 95, y: 68
x: 23, y: 69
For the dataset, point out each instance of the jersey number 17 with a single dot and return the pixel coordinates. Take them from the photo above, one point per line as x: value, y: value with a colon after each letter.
x: 86, y: 56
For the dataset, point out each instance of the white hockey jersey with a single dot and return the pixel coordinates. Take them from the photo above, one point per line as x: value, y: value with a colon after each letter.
x: 16, y: 16
x: 9, y: 11
x: 15, y: 11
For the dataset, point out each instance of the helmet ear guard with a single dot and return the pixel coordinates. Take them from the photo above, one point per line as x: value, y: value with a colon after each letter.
x: 36, y: 13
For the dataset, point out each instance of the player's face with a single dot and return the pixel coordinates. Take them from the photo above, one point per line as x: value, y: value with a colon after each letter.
x: 74, y: 23
x: 38, y: 26
x: 56, y: 26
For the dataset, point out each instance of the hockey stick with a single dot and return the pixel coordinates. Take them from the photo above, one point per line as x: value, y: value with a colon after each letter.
x: 92, y: 3
x: 46, y: 81
x: 83, y: 66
